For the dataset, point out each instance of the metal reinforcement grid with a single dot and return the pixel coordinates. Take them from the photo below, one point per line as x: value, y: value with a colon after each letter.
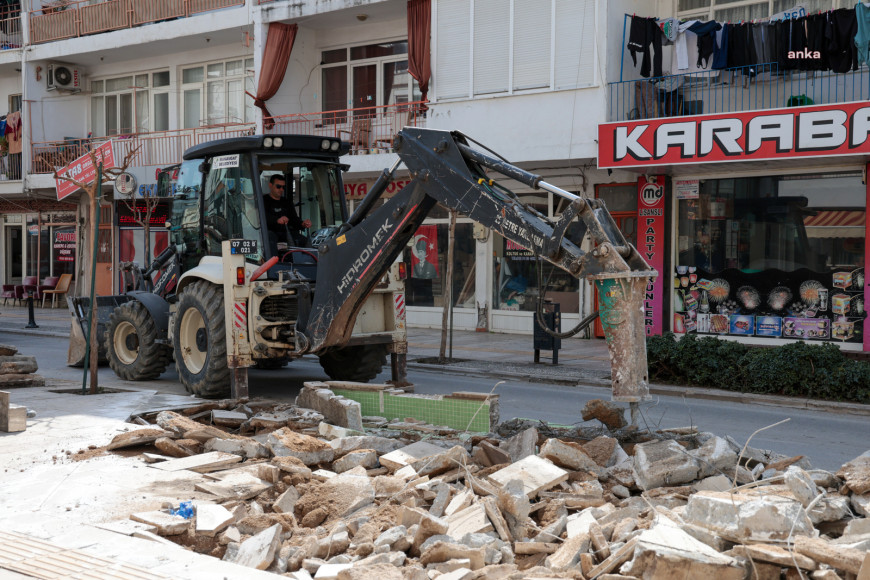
x: 460, y: 414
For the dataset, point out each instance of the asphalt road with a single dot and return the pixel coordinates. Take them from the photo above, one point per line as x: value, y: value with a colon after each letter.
x: 828, y: 439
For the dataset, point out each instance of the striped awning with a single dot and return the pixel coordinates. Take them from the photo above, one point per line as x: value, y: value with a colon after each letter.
x: 835, y: 224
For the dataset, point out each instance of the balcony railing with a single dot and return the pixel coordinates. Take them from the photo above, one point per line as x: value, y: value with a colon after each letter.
x: 59, y: 19
x: 10, y: 27
x: 10, y: 167
x: 368, y: 129
x: 746, y: 88
x: 156, y: 149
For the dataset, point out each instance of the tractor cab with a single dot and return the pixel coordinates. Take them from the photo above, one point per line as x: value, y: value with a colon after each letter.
x: 227, y: 189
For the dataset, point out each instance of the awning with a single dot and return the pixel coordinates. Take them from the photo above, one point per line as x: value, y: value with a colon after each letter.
x: 835, y: 224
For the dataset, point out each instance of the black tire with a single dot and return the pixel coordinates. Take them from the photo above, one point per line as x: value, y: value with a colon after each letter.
x: 355, y: 363
x: 130, y: 344
x: 199, y: 341
x: 271, y: 364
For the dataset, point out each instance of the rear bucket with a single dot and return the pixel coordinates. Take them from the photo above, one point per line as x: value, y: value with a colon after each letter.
x: 79, y: 307
x: 620, y: 307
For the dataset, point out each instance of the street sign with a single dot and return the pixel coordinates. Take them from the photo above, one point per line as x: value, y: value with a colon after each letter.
x: 83, y: 170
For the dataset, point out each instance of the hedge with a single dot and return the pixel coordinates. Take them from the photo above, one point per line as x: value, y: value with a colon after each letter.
x: 799, y: 369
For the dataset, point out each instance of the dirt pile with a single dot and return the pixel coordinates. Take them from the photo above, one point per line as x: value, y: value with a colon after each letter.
x: 290, y: 494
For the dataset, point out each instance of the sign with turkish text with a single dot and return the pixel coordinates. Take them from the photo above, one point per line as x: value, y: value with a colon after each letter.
x: 65, y: 245
x: 83, y: 170
x: 651, y: 245
x: 686, y: 188
x: 359, y: 189
x: 793, y: 133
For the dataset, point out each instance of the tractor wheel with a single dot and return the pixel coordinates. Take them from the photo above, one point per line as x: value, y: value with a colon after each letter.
x: 354, y: 363
x: 271, y: 364
x: 130, y: 340
x: 199, y: 339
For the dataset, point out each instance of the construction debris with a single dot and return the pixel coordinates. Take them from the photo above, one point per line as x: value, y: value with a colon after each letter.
x: 283, y: 490
x: 16, y: 371
x: 13, y: 418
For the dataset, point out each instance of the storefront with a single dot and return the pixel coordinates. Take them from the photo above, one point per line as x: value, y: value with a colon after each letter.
x: 37, y: 243
x: 769, y: 249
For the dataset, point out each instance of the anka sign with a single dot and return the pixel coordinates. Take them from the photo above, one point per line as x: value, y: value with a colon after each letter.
x: 814, y: 131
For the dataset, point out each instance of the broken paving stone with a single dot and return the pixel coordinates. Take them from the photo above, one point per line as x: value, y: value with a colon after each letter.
x: 292, y: 465
x: 801, y: 485
x: 8, y: 350
x: 286, y: 502
x: 248, y: 448
x: 231, y: 419
x: 443, y: 551
x: 166, y: 524
x: 367, y: 458
x: 568, y: 554
x: 714, y: 483
x: 602, y: 450
x: 841, y: 558
x: 137, y: 437
x: 714, y: 457
x: 382, y: 445
x: 569, y: 455
x: 173, y: 448
x: 455, y: 457
x: 18, y: 365
x: 211, y: 519
x: 861, y: 504
x: 536, y: 473
x: 307, y: 449
x: 471, y: 520
x: 203, y: 463
x: 404, y: 456
x: 661, y: 463
x: 257, y: 551
x: 829, y: 509
x: 856, y: 474
x: 611, y: 414
x: 331, y: 432
x: 775, y: 555
x: 521, y: 445
x: 742, y: 518
x: 185, y: 428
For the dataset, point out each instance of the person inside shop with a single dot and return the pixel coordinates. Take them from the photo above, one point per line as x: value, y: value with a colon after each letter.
x: 285, y: 227
x: 703, y: 250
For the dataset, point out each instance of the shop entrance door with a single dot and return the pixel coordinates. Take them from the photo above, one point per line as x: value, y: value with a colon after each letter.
x: 105, y: 253
x: 14, y: 244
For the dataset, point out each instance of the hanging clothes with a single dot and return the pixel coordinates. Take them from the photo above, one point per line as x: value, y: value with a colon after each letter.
x: 720, y: 50
x: 706, y: 41
x: 643, y: 33
x: 669, y: 27
x: 862, y: 36
x: 13, y: 132
x: 842, y: 26
x: 685, y: 48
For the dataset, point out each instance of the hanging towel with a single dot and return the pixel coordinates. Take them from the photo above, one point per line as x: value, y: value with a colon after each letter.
x: 862, y: 37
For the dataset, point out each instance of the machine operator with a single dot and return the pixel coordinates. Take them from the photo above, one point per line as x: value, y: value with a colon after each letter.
x: 281, y: 218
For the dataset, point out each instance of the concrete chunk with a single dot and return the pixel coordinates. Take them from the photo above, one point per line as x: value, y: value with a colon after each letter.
x: 337, y: 410
x: 714, y: 457
x: 455, y: 457
x: 856, y: 473
x: 212, y: 518
x: 742, y: 518
x: 569, y: 455
x: 228, y: 418
x: 444, y: 551
x: 775, y: 555
x: 307, y: 449
x: 400, y: 458
x: 382, y: 445
x: 366, y: 458
x: 661, y: 463
x: 521, y: 445
x: 248, y: 448
x: 611, y: 414
x: 568, y: 554
x: 801, y: 485
x: 369, y: 571
x: 134, y: 438
x: 536, y: 473
x: 166, y: 524
x: 286, y: 502
x: 257, y: 551
x: 18, y: 364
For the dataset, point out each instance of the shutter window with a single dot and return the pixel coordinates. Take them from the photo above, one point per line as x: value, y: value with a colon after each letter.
x: 491, y: 46
x: 532, y: 35
x: 575, y: 43
x: 451, y: 74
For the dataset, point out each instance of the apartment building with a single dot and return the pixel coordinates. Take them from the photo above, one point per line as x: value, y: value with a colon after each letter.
x: 761, y: 238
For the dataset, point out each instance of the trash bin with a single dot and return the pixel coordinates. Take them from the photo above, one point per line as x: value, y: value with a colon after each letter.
x: 542, y: 340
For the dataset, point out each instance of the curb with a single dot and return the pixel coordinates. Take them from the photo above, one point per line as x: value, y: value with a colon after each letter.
x: 857, y: 409
x: 52, y: 333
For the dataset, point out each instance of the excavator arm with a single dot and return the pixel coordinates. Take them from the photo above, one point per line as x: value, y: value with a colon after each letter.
x: 446, y: 170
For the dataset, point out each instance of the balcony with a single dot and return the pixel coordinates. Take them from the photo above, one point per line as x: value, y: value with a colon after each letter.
x: 10, y: 27
x: 746, y: 88
x: 369, y: 129
x: 158, y: 149
x: 60, y: 19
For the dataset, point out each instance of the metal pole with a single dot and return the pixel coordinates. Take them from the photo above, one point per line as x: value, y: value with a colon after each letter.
x: 31, y: 322
x: 622, y: 52
x: 95, y: 203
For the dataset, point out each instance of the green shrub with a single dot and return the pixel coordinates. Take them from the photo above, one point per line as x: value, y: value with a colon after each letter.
x: 797, y: 369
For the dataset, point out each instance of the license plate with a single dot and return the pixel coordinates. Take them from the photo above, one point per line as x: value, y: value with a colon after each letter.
x: 244, y: 247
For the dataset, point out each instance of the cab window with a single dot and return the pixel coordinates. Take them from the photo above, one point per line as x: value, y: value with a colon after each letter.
x: 230, y: 208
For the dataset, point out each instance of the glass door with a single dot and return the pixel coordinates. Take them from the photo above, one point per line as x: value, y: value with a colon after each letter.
x: 14, y: 250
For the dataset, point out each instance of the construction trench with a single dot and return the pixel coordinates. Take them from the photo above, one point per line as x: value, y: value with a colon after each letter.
x: 346, y: 484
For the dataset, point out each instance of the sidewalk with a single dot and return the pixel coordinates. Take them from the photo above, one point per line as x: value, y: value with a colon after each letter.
x: 581, y: 361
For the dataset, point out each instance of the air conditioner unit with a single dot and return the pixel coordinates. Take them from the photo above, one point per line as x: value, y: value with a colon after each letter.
x: 64, y: 77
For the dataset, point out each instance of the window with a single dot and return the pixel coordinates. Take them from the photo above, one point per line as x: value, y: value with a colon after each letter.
x: 550, y: 44
x: 367, y: 76
x: 230, y: 209
x: 130, y: 104
x: 737, y: 10
x: 426, y: 258
x: 214, y: 93
x: 14, y: 103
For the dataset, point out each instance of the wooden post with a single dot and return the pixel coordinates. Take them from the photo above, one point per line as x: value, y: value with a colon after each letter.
x: 448, y: 287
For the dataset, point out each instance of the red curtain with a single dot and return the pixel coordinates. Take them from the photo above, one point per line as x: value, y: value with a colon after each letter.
x: 279, y: 45
x: 419, y: 27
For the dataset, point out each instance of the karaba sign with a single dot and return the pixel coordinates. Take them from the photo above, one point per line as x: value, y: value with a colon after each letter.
x: 815, y: 131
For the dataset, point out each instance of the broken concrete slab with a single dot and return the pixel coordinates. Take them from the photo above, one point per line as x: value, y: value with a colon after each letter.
x: 232, y: 419
x: 286, y: 502
x: 434, y: 464
x: 714, y: 457
x: 13, y: 418
x: 521, y: 445
x: 491, y: 454
x: 665, y: 551
x: 568, y: 554
x: 336, y: 409
x: 331, y: 432
x: 861, y: 504
x: 369, y: 571
x: 801, y: 485
x: 713, y: 483
x: 185, y: 428
x: 569, y: 455
x: 166, y: 524
x: 172, y: 448
x: 742, y: 518
x: 257, y: 551
x: 382, y: 445
x: 536, y: 473
x: 8, y: 350
x: 471, y: 520
x: 292, y: 465
x: 443, y: 551
x: 248, y: 448
x: 367, y: 458
x: 661, y: 463
x: 398, y: 459
x: 21, y: 381
x: 829, y: 509
x: 841, y: 558
x: 134, y: 438
x: 211, y: 519
x: 856, y: 474
x: 307, y: 449
x: 775, y: 555
x: 18, y: 364
x: 343, y: 494
x: 126, y: 527
x: 203, y: 463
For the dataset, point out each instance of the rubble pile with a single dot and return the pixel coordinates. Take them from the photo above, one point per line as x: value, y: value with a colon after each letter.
x: 18, y: 370
x: 284, y: 491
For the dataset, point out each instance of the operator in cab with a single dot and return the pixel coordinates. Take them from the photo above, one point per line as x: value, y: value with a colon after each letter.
x: 285, y: 227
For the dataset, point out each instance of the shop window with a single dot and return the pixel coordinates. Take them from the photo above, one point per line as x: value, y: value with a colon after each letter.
x: 515, y: 279
x: 772, y: 256
x: 426, y: 258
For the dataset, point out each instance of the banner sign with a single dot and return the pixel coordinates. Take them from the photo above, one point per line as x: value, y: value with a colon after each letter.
x: 651, y: 245
x: 793, y: 133
x: 65, y: 245
x: 83, y: 170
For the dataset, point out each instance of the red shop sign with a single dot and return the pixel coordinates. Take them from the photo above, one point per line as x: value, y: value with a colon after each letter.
x: 797, y: 132
x: 83, y: 170
x: 651, y: 236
